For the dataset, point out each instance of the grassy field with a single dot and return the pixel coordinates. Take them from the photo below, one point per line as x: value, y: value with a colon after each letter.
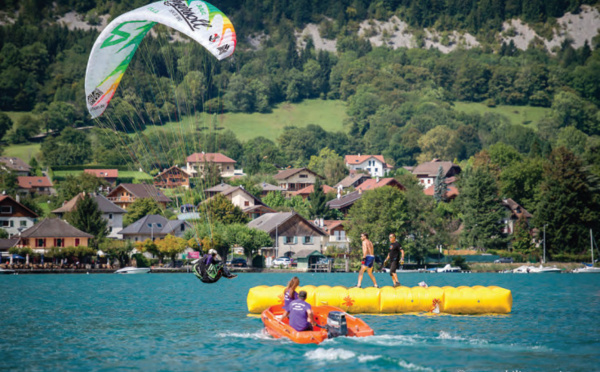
x: 524, y: 115
x: 329, y: 115
x: 16, y: 115
x: 125, y: 174
x: 24, y: 152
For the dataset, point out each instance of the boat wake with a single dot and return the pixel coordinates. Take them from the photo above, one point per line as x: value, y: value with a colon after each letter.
x: 322, y: 355
x: 258, y: 335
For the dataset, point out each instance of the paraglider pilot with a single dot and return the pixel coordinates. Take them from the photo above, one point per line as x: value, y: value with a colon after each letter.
x: 209, y: 269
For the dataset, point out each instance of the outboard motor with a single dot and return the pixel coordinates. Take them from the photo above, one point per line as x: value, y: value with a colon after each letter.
x: 336, y: 324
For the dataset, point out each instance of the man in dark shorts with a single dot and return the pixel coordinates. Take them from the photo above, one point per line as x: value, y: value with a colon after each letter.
x: 300, y: 314
x: 396, y: 258
x: 367, y: 261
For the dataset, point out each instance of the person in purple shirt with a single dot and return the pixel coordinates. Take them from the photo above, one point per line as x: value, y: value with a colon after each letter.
x: 300, y: 314
x: 211, y: 259
x: 289, y: 293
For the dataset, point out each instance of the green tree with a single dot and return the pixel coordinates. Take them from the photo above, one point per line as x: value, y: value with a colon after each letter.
x: 379, y: 212
x: 522, y: 241
x: 6, y: 124
x: 26, y: 127
x: 88, y: 218
x: 58, y: 116
x: 440, y: 142
x: 140, y: 208
x: 274, y: 199
x: 439, y: 192
x: 329, y: 164
x: 521, y: 182
x: 318, y: 202
x: 219, y: 208
x: 171, y: 246
x: 83, y: 182
x: 8, y: 182
x: 252, y: 240
x: 72, y: 147
x: 569, y: 204
x: 482, y: 211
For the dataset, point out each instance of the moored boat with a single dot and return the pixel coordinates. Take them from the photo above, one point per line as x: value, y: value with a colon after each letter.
x: 332, y: 322
x: 133, y: 270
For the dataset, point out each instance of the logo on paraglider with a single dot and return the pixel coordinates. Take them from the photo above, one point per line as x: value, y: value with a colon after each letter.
x: 213, y: 38
x: 187, y: 13
x: 223, y: 49
x: 94, y: 96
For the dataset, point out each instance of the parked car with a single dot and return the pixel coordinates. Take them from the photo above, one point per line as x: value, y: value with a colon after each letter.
x: 281, y: 261
x: 239, y: 262
x: 504, y: 260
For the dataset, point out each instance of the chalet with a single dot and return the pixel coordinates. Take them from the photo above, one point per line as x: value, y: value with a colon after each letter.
x: 154, y: 227
x: 427, y: 172
x: 126, y: 193
x: 53, y: 232
x: 14, y: 216
x: 343, y: 203
x: 296, y: 178
x: 16, y: 165
x: 374, y: 165
x: 34, y: 185
x: 336, y: 234
x: 212, y: 191
x: 111, y: 213
x: 352, y: 180
x: 305, y: 192
x: 451, y: 191
x: 515, y: 211
x: 266, y: 188
x: 248, y: 203
x: 172, y: 178
x: 196, y: 162
x: 109, y: 175
x: 290, y: 232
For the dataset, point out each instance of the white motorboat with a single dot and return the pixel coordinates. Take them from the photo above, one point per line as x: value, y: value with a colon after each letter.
x: 448, y: 269
x: 6, y: 271
x: 133, y: 270
x: 545, y: 270
x: 523, y: 269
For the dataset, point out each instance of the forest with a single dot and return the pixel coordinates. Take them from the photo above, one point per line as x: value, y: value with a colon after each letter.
x: 399, y: 102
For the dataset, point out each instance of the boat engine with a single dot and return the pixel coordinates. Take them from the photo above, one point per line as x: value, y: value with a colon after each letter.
x: 336, y: 324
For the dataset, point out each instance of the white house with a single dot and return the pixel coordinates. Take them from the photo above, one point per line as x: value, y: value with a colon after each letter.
x: 14, y: 216
x: 375, y: 165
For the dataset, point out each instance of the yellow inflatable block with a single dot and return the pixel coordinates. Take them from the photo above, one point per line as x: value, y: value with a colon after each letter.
x: 388, y: 300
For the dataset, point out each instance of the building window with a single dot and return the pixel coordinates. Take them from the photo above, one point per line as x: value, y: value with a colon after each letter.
x: 110, y: 216
x: 23, y: 223
x: 5, y: 223
x: 40, y: 243
x: 77, y: 242
x: 58, y: 242
x: 303, y: 176
x: 110, y: 229
x: 308, y: 240
x: 182, y: 227
x: 289, y: 239
x: 246, y: 203
x: 6, y: 209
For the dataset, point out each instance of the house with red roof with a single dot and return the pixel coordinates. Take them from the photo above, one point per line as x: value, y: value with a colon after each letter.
x: 35, y: 185
x: 377, y: 182
x: 172, y: 178
x: 336, y: 234
x: 374, y: 165
x: 305, y: 192
x: 343, y: 203
x: 197, y: 161
x: 16, y: 165
x: 53, y: 232
x: 109, y: 175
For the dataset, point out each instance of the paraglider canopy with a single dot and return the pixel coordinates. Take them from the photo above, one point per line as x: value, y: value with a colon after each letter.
x: 114, y: 49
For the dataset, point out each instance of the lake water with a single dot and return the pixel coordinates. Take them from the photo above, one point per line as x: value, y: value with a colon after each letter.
x: 174, y: 322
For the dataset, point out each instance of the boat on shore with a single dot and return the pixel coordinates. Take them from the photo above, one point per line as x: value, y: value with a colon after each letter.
x: 6, y: 271
x: 133, y: 270
x: 589, y: 268
x: 525, y: 269
x: 331, y: 322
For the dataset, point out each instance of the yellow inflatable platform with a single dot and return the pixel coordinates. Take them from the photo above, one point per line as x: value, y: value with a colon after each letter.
x: 389, y: 300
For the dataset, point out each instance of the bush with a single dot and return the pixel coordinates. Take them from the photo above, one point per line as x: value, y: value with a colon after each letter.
x: 258, y: 261
x: 461, y: 262
x: 142, y: 261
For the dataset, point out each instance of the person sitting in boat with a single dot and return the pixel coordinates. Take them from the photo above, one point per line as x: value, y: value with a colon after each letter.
x: 300, y: 314
x: 210, y: 269
x: 289, y: 293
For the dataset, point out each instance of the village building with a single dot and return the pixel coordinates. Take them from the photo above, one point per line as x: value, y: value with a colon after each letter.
x: 154, y: 227
x: 343, y: 203
x: 197, y: 161
x: 296, y: 178
x: 111, y: 213
x: 14, y: 216
x: 450, y: 192
x: 15, y: 165
x: 172, y: 178
x: 374, y: 165
x: 305, y: 192
x: 109, y: 175
x: 336, y: 232
x: 29, y: 185
x: 290, y: 232
x: 53, y: 232
x: 515, y: 211
x: 266, y: 188
x: 427, y: 172
x: 126, y: 193
x: 252, y: 206
x: 353, y: 180
x: 217, y: 189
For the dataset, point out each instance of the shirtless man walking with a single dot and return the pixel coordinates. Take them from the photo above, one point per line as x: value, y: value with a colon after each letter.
x: 368, y: 260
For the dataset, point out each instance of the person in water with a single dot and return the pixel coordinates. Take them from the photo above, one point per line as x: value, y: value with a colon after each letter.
x: 289, y: 293
x: 367, y: 261
x: 300, y: 314
x: 208, y: 272
x: 396, y: 258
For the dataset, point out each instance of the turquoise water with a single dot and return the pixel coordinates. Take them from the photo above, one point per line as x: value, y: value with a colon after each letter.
x: 173, y: 322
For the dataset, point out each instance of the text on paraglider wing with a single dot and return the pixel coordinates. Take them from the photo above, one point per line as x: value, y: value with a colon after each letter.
x: 192, y: 20
x: 94, y: 96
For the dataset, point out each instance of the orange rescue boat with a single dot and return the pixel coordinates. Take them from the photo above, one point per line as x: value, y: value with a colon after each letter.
x: 333, y: 322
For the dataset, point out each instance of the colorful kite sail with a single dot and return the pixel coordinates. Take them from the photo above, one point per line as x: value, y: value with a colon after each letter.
x: 116, y: 45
